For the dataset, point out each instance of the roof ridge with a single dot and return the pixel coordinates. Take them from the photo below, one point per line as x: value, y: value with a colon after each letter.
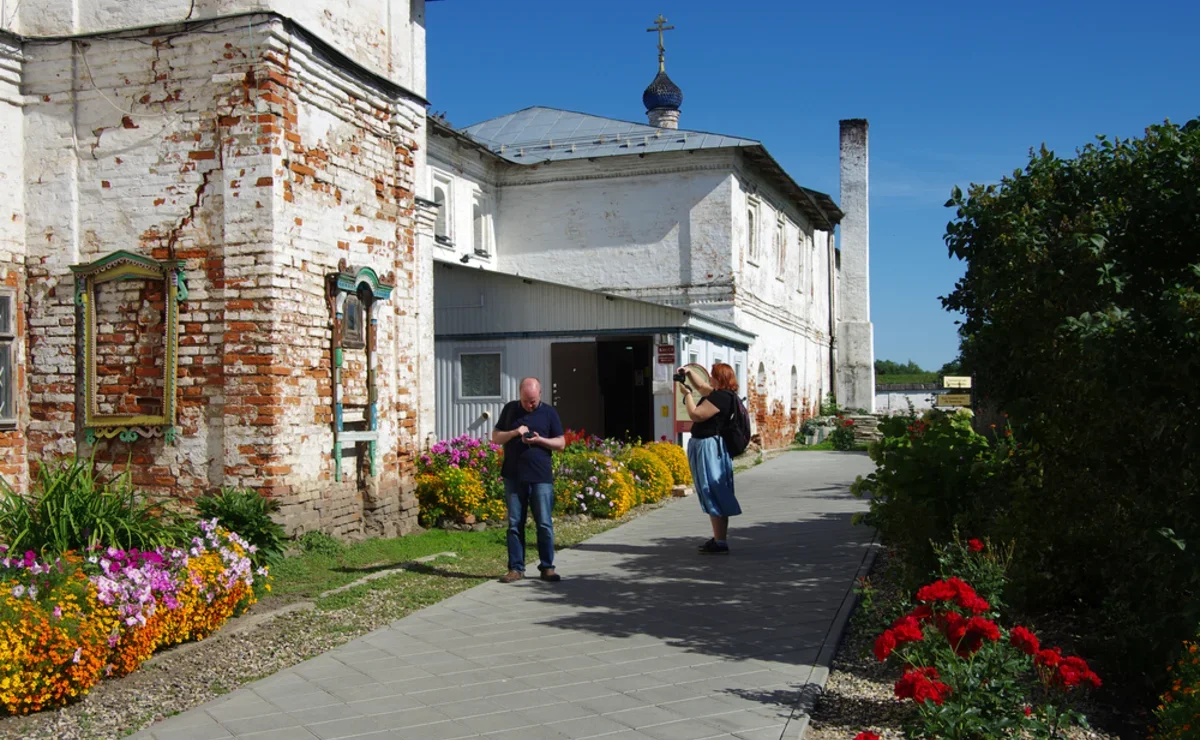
x: 608, y: 118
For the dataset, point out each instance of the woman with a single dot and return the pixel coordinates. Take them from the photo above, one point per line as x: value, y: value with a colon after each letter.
x: 712, y: 467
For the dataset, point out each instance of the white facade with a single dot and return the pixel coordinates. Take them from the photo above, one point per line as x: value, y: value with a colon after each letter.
x: 672, y: 228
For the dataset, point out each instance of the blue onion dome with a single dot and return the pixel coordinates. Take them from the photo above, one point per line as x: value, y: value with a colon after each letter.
x: 662, y: 93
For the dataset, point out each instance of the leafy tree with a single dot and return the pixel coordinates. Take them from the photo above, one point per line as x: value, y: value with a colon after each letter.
x: 890, y: 367
x: 1081, y: 306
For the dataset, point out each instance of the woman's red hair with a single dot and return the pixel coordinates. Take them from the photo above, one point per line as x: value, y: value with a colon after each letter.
x: 723, y: 378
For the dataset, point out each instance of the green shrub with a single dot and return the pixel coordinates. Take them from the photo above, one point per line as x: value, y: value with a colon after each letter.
x: 1080, y: 309
x: 977, y: 562
x: 927, y: 475
x: 248, y: 513
x: 73, y: 507
x: 843, y: 434
x: 319, y: 543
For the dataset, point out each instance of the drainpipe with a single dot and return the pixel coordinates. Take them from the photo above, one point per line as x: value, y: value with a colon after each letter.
x: 832, y: 249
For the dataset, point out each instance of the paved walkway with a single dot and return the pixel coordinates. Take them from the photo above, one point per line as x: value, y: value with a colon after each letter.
x: 643, y: 639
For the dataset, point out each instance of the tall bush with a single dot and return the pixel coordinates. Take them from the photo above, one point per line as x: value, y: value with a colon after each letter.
x: 1081, y: 319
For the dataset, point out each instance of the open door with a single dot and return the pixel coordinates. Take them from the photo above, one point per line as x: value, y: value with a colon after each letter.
x: 575, y: 386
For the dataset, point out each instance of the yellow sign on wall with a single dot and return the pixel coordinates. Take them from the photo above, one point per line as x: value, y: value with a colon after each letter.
x: 956, y: 381
x: 954, y: 399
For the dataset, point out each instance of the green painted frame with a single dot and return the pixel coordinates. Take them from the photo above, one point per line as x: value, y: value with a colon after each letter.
x: 122, y: 265
x: 343, y: 283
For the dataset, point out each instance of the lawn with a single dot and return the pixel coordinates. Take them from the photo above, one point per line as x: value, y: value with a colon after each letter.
x: 479, y: 556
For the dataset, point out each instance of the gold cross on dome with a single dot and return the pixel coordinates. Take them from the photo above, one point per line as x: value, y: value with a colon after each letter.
x: 660, y: 24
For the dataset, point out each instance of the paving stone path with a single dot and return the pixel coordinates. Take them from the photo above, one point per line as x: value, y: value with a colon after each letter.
x: 643, y: 639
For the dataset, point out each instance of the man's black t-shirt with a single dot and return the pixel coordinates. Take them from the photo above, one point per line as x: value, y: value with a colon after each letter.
x: 711, y: 427
x: 525, y: 463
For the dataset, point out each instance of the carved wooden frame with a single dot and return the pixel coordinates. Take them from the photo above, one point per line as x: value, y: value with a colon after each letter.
x: 122, y: 265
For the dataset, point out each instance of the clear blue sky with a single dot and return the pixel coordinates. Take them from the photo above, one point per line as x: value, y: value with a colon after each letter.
x: 955, y: 93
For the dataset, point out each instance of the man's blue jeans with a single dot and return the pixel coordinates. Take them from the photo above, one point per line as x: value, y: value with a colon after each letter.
x: 521, y: 497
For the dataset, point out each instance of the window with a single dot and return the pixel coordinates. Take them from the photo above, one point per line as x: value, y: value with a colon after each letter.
x: 479, y: 375
x: 479, y: 220
x: 8, y: 359
x: 752, y: 232
x: 443, y: 227
x: 353, y: 336
x: 780, y: 249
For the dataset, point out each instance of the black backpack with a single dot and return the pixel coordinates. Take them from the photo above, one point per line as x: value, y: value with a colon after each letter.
x: 736, y: 429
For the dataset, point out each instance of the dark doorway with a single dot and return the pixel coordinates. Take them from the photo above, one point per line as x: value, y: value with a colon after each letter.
x: 575, y: 386
x: 627, y: 388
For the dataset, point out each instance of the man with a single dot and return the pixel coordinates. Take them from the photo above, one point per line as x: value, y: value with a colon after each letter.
x: 529, y: 430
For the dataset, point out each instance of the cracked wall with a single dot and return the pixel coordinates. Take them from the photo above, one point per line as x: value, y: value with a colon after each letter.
x: 245, y: 153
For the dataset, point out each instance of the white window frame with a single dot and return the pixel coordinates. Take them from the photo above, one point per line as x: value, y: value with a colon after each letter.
x: 446, y: 183
x: 753, y: 227
x: 458, y: 374
x: 8, y: 345
x: 780, y: 248
x: 481, y: 201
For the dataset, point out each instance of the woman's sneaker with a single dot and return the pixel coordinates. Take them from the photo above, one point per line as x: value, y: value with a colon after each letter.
x: 712, y: 547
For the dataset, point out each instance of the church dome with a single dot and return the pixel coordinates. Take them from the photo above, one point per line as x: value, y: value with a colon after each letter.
x: 662, y: 94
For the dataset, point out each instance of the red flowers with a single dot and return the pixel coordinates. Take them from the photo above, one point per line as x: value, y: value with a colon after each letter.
x: 953, y: 590
x: 965, y: 635
x: 884, y: 645
x: 921, y: 685
x: 867, y: 736
x: 1065, y: 672
x: 975, y: 545
x: 1024, y: 640
x: 905, y: 629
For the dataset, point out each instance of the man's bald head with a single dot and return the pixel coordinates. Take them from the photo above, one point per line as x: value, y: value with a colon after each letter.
x: 531, y: 393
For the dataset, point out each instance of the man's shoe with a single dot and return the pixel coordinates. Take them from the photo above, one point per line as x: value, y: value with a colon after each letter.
x: 549, y: 575
x: 512, y: 576
x: 712, y: 547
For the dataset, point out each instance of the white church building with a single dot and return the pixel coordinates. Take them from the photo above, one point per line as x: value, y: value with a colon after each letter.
x: 598, y: 254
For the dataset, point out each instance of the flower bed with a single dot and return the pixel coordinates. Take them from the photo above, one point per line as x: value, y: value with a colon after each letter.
x: 968, y: 676
x: 68, y: 622
x: 592, y: 483
x: 459, y: 480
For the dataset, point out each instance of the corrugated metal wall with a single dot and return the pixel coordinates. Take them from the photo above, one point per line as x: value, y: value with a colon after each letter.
x: 473, y: 301
x: 520, y: 358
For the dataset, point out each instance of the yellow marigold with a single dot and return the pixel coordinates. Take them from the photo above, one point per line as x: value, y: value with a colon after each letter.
x: 652, y: 478
x: 676, y: 460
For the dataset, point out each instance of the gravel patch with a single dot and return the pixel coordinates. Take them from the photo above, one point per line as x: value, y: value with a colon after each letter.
x: 859, y: 694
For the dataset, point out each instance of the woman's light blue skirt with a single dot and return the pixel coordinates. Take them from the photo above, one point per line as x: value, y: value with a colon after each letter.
x: 712, y: 475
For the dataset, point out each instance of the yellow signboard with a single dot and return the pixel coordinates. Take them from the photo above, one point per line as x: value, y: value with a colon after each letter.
x: 956, y: 381
x: 954, y: 399
x: 681, y: 413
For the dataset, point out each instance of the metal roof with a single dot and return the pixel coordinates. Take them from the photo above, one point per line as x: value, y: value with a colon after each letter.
x: 473, y: 303
x: 547, y: 134
x: 539, y: 134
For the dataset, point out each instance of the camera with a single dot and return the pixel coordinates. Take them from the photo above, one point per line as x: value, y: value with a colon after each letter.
x: 527, y: 435
x: 681, y: 377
